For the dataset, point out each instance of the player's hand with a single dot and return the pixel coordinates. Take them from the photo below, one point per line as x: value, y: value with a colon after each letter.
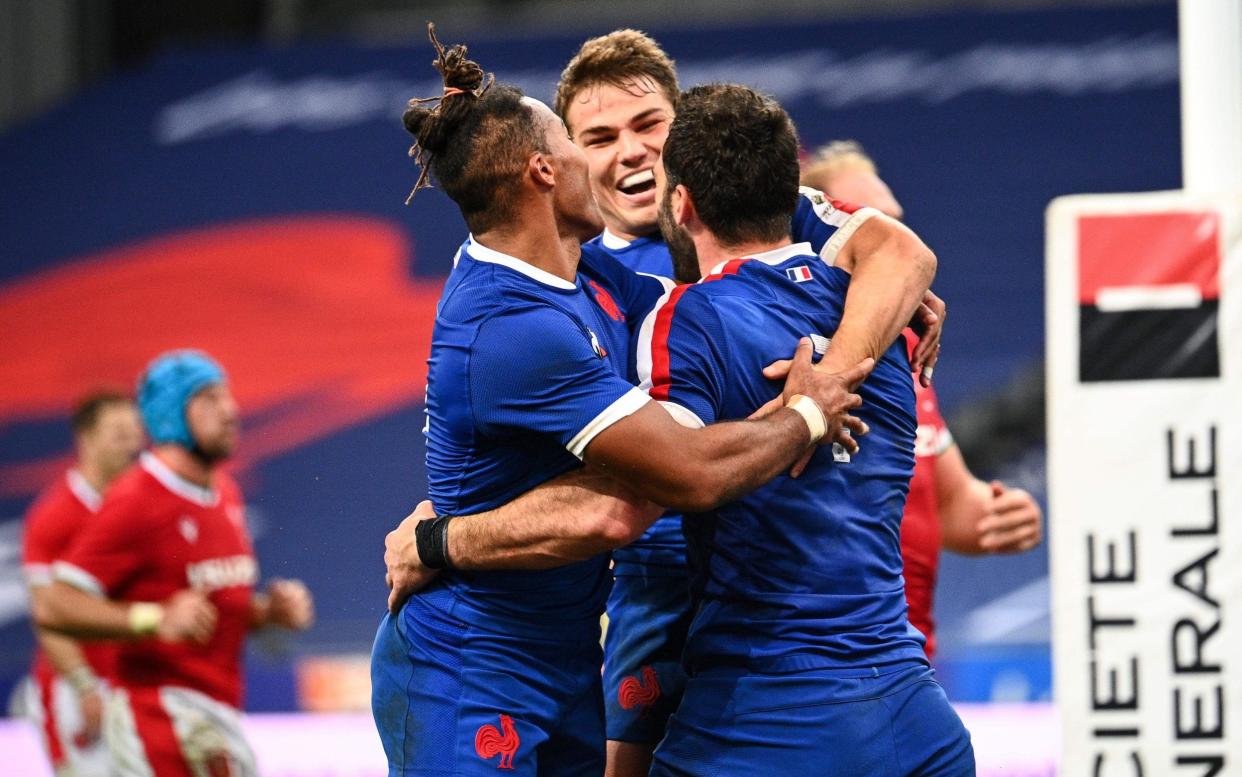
x: 91, y: 704
x: 188, y: 617
x: 406, y: 573
x: 833, y: 392
x: 928, y: 324
x: 289, y: 604
x: 1015, y: 523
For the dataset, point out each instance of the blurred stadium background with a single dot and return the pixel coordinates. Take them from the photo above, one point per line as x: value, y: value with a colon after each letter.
x: 230, y: 175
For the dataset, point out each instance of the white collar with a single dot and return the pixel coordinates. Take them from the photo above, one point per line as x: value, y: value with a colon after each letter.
x: 191, y: 492
x: 775, y: 256
x: 613, y: 242
x: 83, y: 490
x: 482, y: 253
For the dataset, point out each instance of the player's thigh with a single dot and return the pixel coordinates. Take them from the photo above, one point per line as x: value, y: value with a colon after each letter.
x: 929, y: 736
x: 575, y: 746
x: 140, y: 737
x: 830, y: 723
x: 643, y: 677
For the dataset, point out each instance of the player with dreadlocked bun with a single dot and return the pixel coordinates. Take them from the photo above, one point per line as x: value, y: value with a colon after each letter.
x: 499, y: 656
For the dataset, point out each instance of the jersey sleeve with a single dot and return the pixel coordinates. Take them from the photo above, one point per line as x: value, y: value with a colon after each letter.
x: 825, y: 223
x: 538, y: 370
x: 109, y: 550
x: 635, y: 292
x: 680, y: 356
x: 930, y: 417
x: 46, y: 534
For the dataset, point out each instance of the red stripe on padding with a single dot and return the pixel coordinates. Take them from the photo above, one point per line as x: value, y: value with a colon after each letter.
x: 1148, y: 249
x: 660, y: 385
x: 155, y: 729
x: 47, y: 699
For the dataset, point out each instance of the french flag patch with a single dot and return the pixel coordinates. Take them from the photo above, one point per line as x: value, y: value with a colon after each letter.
x: 799, y: 274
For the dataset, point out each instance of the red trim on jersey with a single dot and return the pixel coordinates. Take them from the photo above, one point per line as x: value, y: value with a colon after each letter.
x: 155, y: 729
x: 47, y: 700
x: 660, y: 384
x: 845, y: 207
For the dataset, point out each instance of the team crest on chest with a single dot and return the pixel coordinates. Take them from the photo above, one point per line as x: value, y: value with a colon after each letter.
x: 188, y: 528
x: 595, y: 346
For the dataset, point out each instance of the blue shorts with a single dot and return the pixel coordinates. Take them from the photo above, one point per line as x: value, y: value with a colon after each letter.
x: 648, y: 616
x: 454, y: 699
x: 827, y: 723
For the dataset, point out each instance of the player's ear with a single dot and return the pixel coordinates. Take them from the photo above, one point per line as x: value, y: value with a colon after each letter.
x: 683, y: 207
x: 540, y: 170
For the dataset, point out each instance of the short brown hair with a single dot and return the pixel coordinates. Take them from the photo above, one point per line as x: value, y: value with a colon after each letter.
x: 623, y: 58
x: 831, y: 159
x: 88, y: 409
x: 736, y: 150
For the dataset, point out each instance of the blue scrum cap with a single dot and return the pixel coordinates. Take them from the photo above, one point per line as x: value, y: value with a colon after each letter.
x: 166, y: 387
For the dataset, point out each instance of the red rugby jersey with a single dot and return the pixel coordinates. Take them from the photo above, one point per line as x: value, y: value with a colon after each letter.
x: 920, y: 526
x: 61, y: 512
x: 157, y: 534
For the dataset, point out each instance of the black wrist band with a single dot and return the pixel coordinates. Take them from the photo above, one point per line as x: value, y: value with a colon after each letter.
x: 431, y: 539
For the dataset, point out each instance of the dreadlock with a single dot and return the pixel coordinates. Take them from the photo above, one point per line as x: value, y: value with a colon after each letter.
x: 474, y: 141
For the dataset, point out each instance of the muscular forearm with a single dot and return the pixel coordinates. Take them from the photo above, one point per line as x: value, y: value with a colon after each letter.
x: 961, y: 513
x: 570, y: 518
x: 705, y: 468
x: 63, y: 653
x: 66, y: 610
x: 890, y: 271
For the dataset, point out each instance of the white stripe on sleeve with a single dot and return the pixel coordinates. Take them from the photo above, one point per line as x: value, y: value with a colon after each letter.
x: 838, y: 240
x: 77, y: 577
x: 627, y: 404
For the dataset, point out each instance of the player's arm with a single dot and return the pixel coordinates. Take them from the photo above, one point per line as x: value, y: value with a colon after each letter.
x: 69, y: 610
x: 66, y: 658
x: 570, y: 518
x: 285, y: 603
x: 978, y: 517
x: 890, y: 272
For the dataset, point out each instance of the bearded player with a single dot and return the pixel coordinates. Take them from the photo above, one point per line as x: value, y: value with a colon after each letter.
x: 617, y: 96
x: 167, y: 567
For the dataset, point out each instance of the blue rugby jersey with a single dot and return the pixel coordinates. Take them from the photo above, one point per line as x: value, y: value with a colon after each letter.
x: 525, y: 369
x: 816, y: 220
x: 804, y: 573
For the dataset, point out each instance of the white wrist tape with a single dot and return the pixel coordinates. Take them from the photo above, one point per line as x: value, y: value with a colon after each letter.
x: 82, y: 680
x: 810, y: 412
x: 145, y: 618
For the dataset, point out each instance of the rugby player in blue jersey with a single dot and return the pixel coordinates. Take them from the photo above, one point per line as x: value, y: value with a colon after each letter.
x: 525, y: 382
x: 800, y: 654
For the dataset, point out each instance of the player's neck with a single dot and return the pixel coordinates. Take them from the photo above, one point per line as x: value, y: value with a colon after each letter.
x: 185, y: 464
x: 537, y: 242
x: 92, y: 473
x: 712, y: 253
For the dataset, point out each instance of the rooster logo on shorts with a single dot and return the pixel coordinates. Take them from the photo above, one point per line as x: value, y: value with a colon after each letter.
x: 488, y: 742
x: 639, y: 693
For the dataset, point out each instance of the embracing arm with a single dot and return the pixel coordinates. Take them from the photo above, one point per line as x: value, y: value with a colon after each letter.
x: 570, y: 518
x: 891, y: 270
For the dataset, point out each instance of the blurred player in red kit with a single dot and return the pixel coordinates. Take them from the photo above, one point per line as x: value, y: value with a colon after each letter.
x: 66, y: 696
x: 948, y: 506
x: 167, y: 566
